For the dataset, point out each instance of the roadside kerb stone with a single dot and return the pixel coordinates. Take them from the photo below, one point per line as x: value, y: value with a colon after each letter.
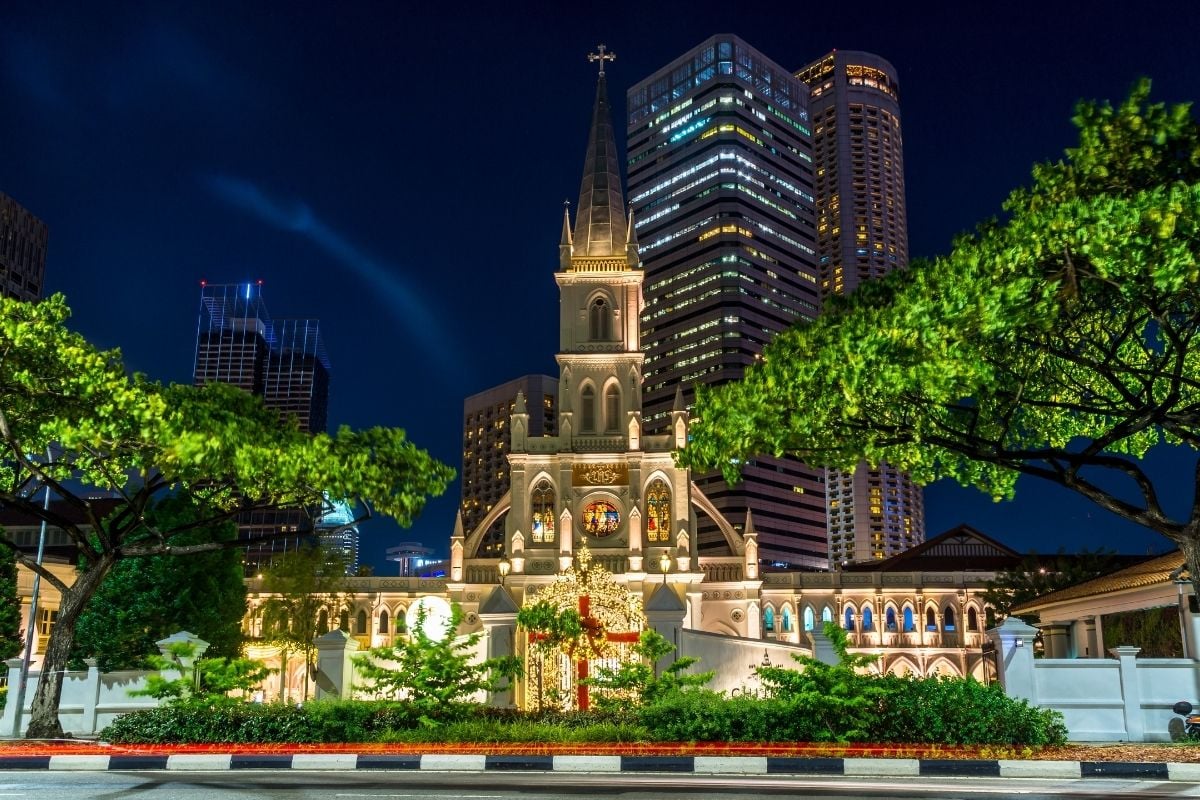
x: 739, y: 765
x: 1183, y: 772
x: 79, y: 762
x: 1038, y: 769
x: 454, y: 762
x: 587, y: 763
x: 887, y: 767
x: 324, y: 761
x: 199, y: 762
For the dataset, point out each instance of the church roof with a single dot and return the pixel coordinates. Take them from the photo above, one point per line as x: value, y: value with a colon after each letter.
x: 959, y: 549
x: 600, y: 227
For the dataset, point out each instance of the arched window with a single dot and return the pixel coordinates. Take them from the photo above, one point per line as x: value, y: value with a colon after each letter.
x: 588, y: 410
x: 868, y: 619
x: 989, y: 617
x: 849, y: 619
x: 948, y: 619
x: 909, y: 625
x: 808, y: 618
x: 599, y: 321
x: 769, y: 619
x: 541, y: 504
x: 344, y: 621
x: 930, y: 620
x: 787, y: 620
x: 360, y: 623
x: 972, y: 620
x: 658, y: 511
x: 383, y: 621
x: 612, y: 409
x: 323, y: 623
x: 889, y: 620
x: 827, y: 614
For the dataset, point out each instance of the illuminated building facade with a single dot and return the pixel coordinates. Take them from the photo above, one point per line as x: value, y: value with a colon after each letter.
x: 862, y: 233
x: 721, y: 186
x: 282, y: 361
x: 337, y: 533
x: 486, y: 445
x: 23, y: 239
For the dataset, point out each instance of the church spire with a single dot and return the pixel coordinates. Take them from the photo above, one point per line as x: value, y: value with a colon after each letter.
x: 600, y: 228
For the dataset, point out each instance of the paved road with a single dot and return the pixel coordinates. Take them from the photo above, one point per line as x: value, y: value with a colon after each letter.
x: 365, y: 785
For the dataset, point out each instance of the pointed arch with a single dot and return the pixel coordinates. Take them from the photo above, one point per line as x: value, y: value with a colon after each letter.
x: 360, y: 622
x: 600, y: 319
x: 889, y: 619
x: 868, y: 618
x: 587, y: 408
x: 942, y: 666
x: 502, y: 507
x: 827, y: 614
x: 612, y: 407
x: 948, y: 619
x: 768, y: 618
x: 848, y: 617
x: 658, y: 511
x: 542, y: 510
x: 903, y: 665
x: 972, y: 619
x: 384, y: 621
x: 785, y: 618
x: 910, y: 624
x: 930, y: 619
x: 809, y: 618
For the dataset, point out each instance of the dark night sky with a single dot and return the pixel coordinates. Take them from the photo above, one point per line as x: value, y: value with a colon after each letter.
x: 399, y: 173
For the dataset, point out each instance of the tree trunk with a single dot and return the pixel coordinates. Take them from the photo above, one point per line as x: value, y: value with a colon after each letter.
x: 43, y: 714
x: 1190, y: 547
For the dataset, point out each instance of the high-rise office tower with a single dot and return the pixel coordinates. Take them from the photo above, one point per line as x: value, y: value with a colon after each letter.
x: 486, y: 439
x: 23, y: 239
x: 862, y: 233
x: 721, y: 186
x: 282, y: 361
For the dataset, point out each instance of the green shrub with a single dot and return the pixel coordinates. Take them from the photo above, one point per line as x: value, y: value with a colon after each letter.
x: 962, y: 711
x: 248, y: 723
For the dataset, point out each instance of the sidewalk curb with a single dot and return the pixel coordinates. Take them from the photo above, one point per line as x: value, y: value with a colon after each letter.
x: 703, y: 765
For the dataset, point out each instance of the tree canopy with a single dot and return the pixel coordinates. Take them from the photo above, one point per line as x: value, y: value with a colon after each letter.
x: 73, y: 419
x: 1056, y: 342
x: 143, y: 600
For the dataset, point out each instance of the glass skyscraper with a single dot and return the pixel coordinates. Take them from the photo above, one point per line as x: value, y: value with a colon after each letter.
x: 721, y: 185
x: 283, y: 362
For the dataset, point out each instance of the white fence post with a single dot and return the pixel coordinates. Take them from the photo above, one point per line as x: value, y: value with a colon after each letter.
x: 91, y: 696
x: 1131, y: 692
x: 10, y: 721
x: 1013, y: 641
x: 335, y: 666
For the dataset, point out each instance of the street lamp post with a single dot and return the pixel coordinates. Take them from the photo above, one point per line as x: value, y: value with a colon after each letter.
x: 664, y: 563
x: 504, y: 567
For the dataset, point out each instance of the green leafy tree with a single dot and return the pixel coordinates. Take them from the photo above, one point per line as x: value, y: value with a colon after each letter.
x: 640, y: 678
x: 842, y: 697
x: 1038, y: 575
x: 10, y: 606
x: 106, y: 431
x: 434, y: 674
x: 1059, y: 342
x: 307, y: 588
x: 143, y: 600
x: 206, y: 682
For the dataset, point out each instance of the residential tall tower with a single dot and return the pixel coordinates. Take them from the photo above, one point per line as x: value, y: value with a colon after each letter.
x: 486, y: 440
x: 721, y: 187
x: 862, y: 233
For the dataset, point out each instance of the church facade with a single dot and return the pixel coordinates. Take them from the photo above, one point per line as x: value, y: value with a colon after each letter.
x: 602, y: 486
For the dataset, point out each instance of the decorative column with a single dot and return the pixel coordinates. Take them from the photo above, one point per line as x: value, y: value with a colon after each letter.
x: 498, y: 613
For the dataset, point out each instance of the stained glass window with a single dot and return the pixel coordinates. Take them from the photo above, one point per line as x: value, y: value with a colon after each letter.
x: 658, y: 511
x: 542, y: 505
x: 600, y: 518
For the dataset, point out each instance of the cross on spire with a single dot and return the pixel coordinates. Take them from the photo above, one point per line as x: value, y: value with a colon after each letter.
x: 602, y: 56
